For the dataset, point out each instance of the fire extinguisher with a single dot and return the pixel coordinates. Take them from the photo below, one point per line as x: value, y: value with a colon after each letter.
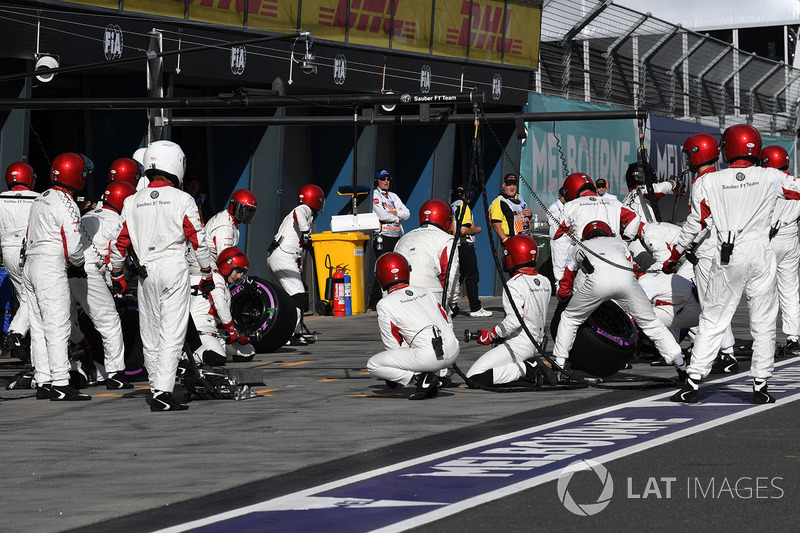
x: 348, y: 294
x: 339, y: 306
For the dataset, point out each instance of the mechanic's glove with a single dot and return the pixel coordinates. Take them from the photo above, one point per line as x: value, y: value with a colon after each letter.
x: 118, y: 283
x: 487, y: 336
x: 565, y: 285
x: 207, y: 284
x: 692, y: 257
x: 75, y: 271
x: 233, y: 335
x: 678, y: 187
x: 244, y: 339
x: 670, y: 266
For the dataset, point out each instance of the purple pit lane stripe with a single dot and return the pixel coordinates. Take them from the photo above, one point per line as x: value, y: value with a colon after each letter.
x: 419, y: 491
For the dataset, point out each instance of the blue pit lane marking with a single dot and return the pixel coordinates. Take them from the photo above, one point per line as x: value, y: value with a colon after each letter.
x: 419, y: 491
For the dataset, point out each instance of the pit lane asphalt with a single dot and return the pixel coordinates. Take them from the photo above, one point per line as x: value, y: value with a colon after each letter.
x: 112, y: 465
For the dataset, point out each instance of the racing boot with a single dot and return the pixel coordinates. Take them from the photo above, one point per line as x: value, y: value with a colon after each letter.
x: 43, y: 391
x: 426, y: 387
x: 688, y: 393
x: 117, y: 381
x: 539, y: 373
x: 760, y: 394
x: 164, y: 401
x: 67, y: 393
x: 791, y: 349
x: 17, y: 347
x: 22, y: 380
x: 725, y: 363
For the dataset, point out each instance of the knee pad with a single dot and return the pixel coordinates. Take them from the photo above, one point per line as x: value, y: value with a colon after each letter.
x: 212, y: 358
x: 301, y: 301
x: 484, y: 379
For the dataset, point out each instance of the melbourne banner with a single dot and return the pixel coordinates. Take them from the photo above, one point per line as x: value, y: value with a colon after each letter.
x: 553, y: 150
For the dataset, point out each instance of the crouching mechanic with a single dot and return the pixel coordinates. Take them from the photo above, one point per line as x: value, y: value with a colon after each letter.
x: 99, y: 228
x: 285, y: 254
x: 514, y: 359
x: 157, y: 222
x: 212, y: 315
x: 602, y: 281
x: 410, y: 315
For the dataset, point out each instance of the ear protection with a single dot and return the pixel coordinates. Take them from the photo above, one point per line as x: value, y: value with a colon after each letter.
x: 562, y: 192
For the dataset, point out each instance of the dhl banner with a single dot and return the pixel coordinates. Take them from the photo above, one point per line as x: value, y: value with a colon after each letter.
x: 494, y: 31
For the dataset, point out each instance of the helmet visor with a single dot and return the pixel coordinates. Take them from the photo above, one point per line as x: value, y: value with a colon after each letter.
x: 243, y: 213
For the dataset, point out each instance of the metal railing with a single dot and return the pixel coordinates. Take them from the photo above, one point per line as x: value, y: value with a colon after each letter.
x: 605, y: 53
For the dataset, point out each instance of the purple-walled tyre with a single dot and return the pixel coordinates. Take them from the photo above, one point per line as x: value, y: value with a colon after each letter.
x: 605, y: 342
x: 261, y: 306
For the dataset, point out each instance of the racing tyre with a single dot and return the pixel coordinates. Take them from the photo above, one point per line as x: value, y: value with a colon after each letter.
x: 605, y: 342
x: 262, y: 308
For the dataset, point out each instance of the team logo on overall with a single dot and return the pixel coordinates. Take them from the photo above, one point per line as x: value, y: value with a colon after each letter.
x: 46, y: 192
x: 537, y: 282
x: 409, y: 293
x: 593, y: 198
x: 740, y: 176
x: 154, y: 195
x: 339, y: 69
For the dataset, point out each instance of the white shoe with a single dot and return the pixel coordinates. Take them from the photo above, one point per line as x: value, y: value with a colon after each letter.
x: 480, y: 313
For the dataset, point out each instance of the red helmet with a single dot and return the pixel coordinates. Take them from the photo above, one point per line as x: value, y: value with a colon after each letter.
x: 577, y: 184
x: 115, y: 194
x: 312, y: 196
x: 596, y: 228
x: 774, y: 156
x: 243, y: 206
x: 519, y: 251
x: 700, y: 149
x: 436, y: 212
x: 392, y: 268
x: 125, y: 169
x: 232, y: 259
x: 20, y: 173
x: 69, y: 170
x: 741, y: 141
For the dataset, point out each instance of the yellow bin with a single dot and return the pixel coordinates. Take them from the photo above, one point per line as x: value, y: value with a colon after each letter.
x: 346, y: 248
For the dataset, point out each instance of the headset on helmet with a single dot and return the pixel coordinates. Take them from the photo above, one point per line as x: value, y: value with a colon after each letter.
x: 312, y: 196
x: 519, y: 251
x: 741, y: 141
x: 637, y: 174
x: 125, y: 169
x: 576, y: 184
x: 243, y: 206
x: 165, y: 158
x: 392, y: 268
x: 436, y: 212
x: 69, y: 170
x: 596, y: 228
x: 699, y: 150
x: 774, y: 156
x: 232, y: 259
x: 20, y: 173
x: 115, y: 194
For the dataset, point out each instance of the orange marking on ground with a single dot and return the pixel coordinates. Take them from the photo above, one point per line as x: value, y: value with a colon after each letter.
x: 328, y: 379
